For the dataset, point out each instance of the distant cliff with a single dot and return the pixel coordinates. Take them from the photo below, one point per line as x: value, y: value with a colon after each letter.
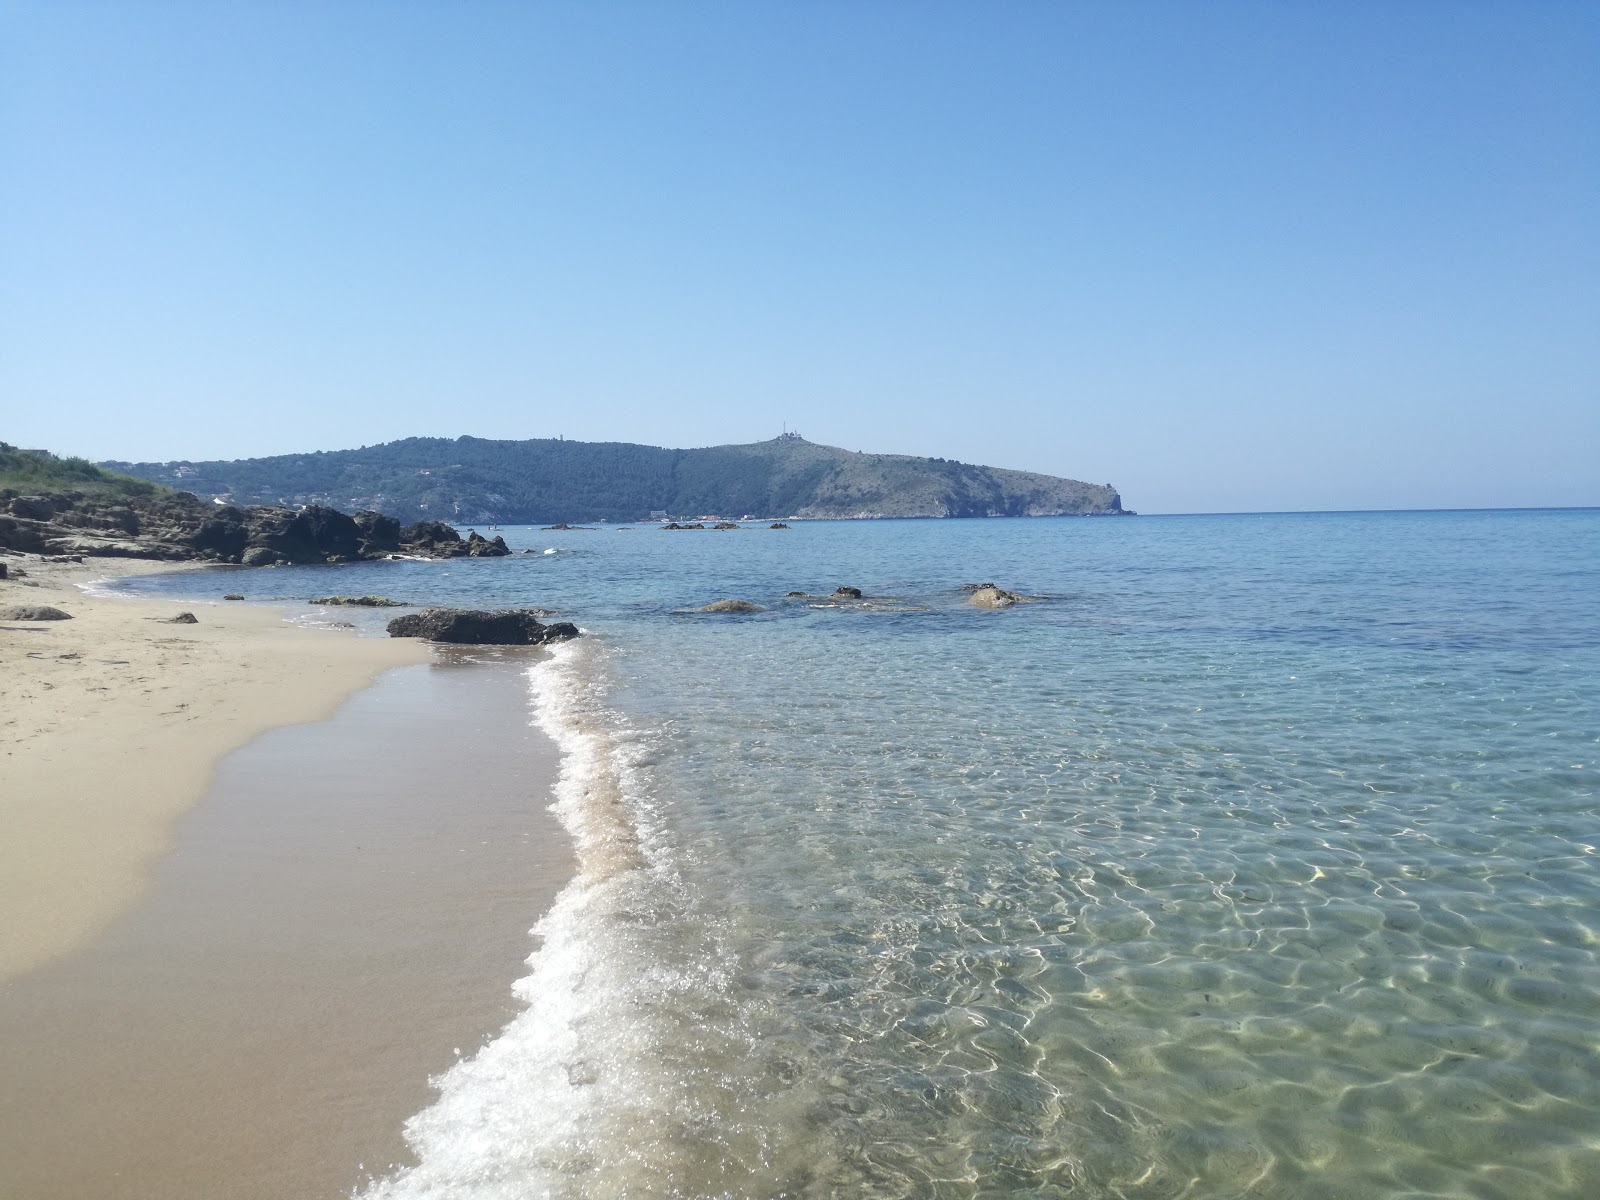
x: 479, y: 481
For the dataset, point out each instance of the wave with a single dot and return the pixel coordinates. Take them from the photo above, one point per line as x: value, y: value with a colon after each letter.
x: 630, y: 1071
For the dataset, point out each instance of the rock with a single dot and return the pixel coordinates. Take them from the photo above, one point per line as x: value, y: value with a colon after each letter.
x: 989, y: 596
x: 260, y: 556
x: 513, y: 627
x: 379, y: 534
x: 184, y: 618
x: 34, y: 508
x: 794, y: 593
x: 732, y: 606
x: 233, y: 596
x: 850, y: 593
x: 727, y: 525
x: 570, y: 528
x: 974, y: 587
x: 360, y: 601
x: 675, y: 525
x: 777, y: 525
x: 3, y: 571
x: 33, y: 612
x: 64, y: 558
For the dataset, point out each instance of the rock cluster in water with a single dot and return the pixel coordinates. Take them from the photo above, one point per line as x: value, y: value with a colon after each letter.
x: 507, y: 627
x: 359, y: 601
x: 179, y: 526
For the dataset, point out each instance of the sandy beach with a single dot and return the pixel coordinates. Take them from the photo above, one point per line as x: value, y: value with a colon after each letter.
x: 112, y: 725
x: 253, y: 905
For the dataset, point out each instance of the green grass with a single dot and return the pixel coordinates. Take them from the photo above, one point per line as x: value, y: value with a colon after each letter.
x: 39, y: 471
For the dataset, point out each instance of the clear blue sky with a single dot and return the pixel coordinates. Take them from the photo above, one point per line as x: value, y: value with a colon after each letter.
x: 1224, y: 255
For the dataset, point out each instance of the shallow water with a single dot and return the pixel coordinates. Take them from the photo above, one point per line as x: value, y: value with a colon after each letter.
x: 1256, y: 857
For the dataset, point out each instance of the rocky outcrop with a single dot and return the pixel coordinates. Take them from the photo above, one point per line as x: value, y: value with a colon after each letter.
x: 847, y: 593
x: 33, y: 612
x: 359, y: 601
x: 177, y: 526
x: 731, y: 606
x: 510, y: 627
x: 438, y: 540
x: 988, y: 596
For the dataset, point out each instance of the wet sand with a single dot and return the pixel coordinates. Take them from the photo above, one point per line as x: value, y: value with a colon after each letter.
x: 112, y: 724
x: 346, y: 909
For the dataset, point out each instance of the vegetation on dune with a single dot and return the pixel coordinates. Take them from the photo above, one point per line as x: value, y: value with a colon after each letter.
x: 40, y: 471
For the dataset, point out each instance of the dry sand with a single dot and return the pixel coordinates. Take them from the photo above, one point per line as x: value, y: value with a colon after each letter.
x: 112, y: 724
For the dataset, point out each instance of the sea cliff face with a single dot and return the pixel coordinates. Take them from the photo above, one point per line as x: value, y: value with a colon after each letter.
x: 541, y: 481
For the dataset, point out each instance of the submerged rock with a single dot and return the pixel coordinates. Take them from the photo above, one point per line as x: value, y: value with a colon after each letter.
x: 509, y: 627
x: 848, y: 593
x: 989, y: 596
x: 732, y: 606
x: 33, y: 612
x: 359, y: 601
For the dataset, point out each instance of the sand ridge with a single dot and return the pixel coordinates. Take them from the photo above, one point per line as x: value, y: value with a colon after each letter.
x: 112, y: 724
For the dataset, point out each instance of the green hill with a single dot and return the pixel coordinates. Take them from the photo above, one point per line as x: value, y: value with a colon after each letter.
x: 31, y: 471
x: 480, y: 481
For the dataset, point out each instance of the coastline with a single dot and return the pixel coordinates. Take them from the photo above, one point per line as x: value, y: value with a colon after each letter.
x: 114, y: 725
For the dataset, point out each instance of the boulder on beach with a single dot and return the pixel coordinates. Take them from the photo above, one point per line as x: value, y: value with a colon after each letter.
x: 731, y: 606
x: 848, y: 593
x: 184, y: 618
x: 509, y: 627
x: 33, y: 612
x: 359, y: 601
x: 989, y: 596
x: 233, y: 596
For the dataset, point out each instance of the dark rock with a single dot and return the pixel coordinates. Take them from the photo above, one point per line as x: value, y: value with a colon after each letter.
x: 975, y: 587
x: 428, y: 533
x: 360, y: 601
x: 2, y: 570
x: 33, y: 612
x: 731, y: 606
x: 794, y: 593
x: 260, y: 556
x: 570, y: 528
x: 777, y: 525
x: 233, y: 596
x: 727, y: 525
x: 184, y: 618
x: 379, y: 534
x: 560, y: 631
x: 851, y: 593
x: 513, y: 627
x: 675, y: 525
x: 34, y: 508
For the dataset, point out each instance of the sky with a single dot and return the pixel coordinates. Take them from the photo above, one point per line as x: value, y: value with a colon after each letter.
x: 1228, y: 256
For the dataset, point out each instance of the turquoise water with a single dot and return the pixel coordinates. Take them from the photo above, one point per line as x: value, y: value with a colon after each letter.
x: 1256, y: 858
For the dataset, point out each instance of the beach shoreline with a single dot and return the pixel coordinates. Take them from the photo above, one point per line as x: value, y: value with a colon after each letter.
x: 113, y: 724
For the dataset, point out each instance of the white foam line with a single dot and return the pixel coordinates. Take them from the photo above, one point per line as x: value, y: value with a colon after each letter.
x: 567, y: 1093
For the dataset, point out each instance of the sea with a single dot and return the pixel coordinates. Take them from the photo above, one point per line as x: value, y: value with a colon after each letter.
x: 1253, y: 856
